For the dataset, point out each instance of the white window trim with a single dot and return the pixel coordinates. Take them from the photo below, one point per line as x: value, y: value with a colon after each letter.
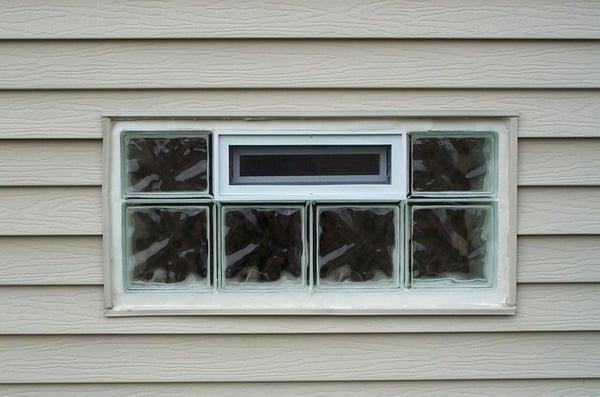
x: 498, y: 300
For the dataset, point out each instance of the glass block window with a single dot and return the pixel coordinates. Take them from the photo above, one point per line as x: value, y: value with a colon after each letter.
x: 358, y: 246
x: 263, y: 246
x: 452, y: 208
x: 458, y: 163
x: 452, y: 243
x: 222, y: 220
x: 166, y: 164
x: 167, y: 245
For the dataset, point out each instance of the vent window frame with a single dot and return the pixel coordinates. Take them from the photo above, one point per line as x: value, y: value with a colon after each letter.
x: 395, y: 139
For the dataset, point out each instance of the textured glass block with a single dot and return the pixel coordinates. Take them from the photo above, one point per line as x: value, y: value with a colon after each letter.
x: 357, y: 245
x: 168, y: 245
x: 263, y: 246
x: 452, y: 163
x: 452, y: 243
x: 158, y: 164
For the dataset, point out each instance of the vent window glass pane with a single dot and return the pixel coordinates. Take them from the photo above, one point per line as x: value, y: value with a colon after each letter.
x: 309, y: 164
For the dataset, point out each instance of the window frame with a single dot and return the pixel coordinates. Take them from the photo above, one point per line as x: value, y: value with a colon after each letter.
x: 499, y: 301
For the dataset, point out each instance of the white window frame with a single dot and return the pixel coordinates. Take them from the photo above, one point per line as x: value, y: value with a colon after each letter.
x: 497, y: 300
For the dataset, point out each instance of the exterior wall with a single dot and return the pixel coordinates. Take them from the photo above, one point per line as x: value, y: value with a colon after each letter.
x: 54, y: 338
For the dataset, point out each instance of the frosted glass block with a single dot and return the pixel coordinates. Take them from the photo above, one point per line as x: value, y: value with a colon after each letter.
x: 452, y: 244
x: 452, y: 163
x: 357, y: 246
x: 263, y: 247
x: 156, y: 164
x: 167, y: 245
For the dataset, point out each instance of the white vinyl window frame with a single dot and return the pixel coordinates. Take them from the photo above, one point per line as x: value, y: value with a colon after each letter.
x: 500, y: 299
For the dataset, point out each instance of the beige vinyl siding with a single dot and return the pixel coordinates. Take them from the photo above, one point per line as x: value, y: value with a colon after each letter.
x: 491, y: 388
x: 51, y: 260
x: 188, y: 64
x: 76, y: 114
x: 490, y: 19
x: 331, y: 357
x: 79, y: 310
x: 388, y: 58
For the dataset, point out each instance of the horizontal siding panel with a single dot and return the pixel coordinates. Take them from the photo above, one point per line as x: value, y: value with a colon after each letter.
x: 39, y: 163
x: 568, y: 210
x: 79, y: 162
x: 54, y: 260
x: 80, y: 310
x: 558, y: 259
x: 300, y: 19
x: 559, y: 162
x: 78, y: 260
x: 77, y: 210
x: 77, y: 114
x: 489, y: 388
x: 50, y: 211
x: 299, y: 64
x: 196, y: 358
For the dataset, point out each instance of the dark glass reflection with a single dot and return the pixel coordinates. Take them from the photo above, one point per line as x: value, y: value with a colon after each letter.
x: 263, y: 244
x: 311, y: 164
x: 167, y: 164
x: 450, y: 242
x: 169, y: 245
x: 450, y: 164
x: 356, y: 244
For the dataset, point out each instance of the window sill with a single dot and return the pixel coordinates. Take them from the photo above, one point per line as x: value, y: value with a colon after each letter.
x: 337, y: 303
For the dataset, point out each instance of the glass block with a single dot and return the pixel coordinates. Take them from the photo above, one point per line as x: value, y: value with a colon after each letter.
x: 357, y: 245
x: 263, y: 247
x: 167, y: 245
x: 157, y: 164
x: 452, y: 244
x: 456, y: 163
